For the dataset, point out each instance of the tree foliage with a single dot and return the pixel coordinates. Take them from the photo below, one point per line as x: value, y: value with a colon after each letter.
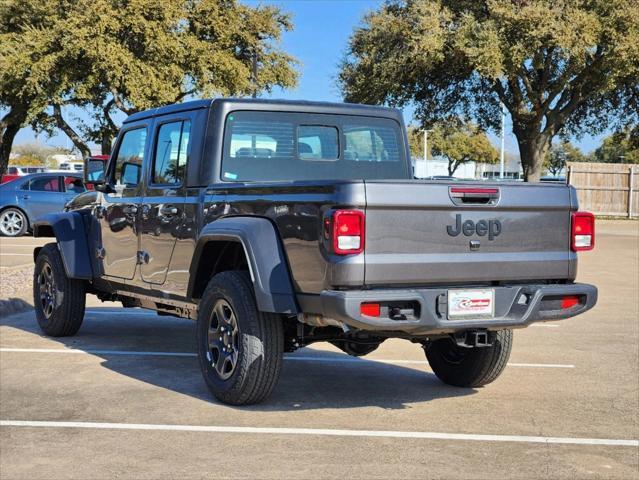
x: 558, y: 155
x: 106, y: 56
x: 568, y: 67
x: 456, y: 141
x: 36, y: 154
x: 620, y: 147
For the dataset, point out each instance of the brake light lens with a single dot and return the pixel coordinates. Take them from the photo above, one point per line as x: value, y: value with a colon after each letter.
x: 348, y: 232
x: 583, y: 231
x: 369, y: 309
x: 569, y: 302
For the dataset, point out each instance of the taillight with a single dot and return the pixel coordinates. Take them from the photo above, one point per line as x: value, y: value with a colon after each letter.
x: 583, y: 231
x: 348, y: 232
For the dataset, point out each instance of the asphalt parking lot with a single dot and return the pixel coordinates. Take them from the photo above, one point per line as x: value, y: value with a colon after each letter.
x: 124, y: 398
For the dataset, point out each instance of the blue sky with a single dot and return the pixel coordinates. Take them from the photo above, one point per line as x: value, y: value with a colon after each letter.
x: 318, y: 41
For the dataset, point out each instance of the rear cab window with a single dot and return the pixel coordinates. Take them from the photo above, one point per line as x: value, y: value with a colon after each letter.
x: 281, y: 146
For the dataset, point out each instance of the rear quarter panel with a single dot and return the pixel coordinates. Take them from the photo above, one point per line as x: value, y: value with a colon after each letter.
x: 297, y: 209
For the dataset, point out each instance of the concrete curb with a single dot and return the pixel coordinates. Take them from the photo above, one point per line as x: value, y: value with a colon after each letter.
x: 12, y: 306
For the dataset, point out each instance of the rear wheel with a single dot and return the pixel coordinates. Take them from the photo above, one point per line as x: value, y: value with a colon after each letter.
x: 13, y: 222
x: 469, y: 367
x: 240, y: 349
x: 59, y: 301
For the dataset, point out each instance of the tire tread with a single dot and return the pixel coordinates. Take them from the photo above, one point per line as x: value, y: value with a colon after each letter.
x: 265, y: 343
x: 482, y: 366
x: 68, y: 315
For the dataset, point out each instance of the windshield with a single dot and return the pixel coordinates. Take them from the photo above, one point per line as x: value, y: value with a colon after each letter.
x: 274, y: 146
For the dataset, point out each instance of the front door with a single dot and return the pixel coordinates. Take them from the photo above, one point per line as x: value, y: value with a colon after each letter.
x: 162, y: 215
x: 119, y: 210
x: 44, y: 196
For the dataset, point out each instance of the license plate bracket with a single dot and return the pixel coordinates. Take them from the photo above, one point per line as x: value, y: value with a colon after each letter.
x: 471, y: 304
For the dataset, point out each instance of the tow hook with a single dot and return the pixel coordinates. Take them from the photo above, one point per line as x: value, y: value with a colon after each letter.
x: 474, y: 338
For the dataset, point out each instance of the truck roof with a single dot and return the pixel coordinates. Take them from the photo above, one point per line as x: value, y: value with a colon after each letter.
x: 300, y: 106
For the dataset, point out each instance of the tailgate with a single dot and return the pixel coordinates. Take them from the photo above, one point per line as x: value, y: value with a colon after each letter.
x: 421, y: 233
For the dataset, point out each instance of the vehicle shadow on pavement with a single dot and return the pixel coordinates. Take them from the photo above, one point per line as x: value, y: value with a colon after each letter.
x: 303, y: 384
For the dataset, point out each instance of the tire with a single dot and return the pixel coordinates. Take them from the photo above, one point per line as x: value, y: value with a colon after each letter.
x: 240, y: 349
x: 356, y: 349
x: 59, y: 301
x: 13, y: 222
x: 469, y: 367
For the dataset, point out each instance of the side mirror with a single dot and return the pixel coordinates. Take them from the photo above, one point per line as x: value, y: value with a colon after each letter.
x: 94, y: 171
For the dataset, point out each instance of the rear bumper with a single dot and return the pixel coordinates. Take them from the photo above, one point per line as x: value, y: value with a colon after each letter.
x: 516, y: 306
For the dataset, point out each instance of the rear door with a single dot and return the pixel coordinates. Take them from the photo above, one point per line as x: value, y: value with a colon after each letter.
x: 435, y: 233
x: 45, y: 195
x: 162, y: 216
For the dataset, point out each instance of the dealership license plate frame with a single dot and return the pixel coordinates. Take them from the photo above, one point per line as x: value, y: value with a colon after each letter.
x: 477, y: 312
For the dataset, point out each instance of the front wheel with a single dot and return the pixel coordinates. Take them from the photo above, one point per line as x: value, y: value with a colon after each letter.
x: 469, y: 367
x: 59, y: 301
x: 240, y: 349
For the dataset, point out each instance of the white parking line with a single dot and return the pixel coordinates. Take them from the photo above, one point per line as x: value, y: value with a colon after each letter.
x: 17, y: 254
x: 2, y: 245
x: 299, y: 358
x: 98, y: 352
x: 325, y: 432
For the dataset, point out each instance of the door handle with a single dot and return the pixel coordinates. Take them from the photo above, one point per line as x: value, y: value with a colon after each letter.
x: 25, y: 197
x: 168, y: 210
x: 130, y: 209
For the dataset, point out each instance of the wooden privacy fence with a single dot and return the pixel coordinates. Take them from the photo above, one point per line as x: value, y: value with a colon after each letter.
x: 606, y: 188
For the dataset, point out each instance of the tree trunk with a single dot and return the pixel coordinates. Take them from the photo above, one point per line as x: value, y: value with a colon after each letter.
x: 9, y: 127
x: 452, y: 166
x: 532, y: 151
x: 105, y: 145
x: 66, y: 128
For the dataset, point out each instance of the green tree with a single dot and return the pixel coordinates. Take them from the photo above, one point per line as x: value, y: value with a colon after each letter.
x: 558, y: 67
x: 416, y: 142
x: 109, y: 56
x: 27, y: 161
x: 558, y: 155
x: 620, y: 147
x: 461, y: 142
x: 456, y: 141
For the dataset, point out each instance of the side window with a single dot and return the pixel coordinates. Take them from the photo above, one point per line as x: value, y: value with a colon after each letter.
x: 317, y: 142
x: 171, y: 153
x: 128, y: 164
x: 73, y: 185
x: 371, y: 144
x: 252, y: 146
x: 44, y: 184
x: 259, y: 138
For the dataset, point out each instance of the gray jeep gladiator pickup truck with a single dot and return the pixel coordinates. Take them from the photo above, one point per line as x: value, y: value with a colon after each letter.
x: 276, y: 224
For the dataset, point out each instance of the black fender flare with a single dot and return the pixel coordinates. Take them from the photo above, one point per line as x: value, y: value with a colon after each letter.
x: 266, y: 260
x: 69, y: 230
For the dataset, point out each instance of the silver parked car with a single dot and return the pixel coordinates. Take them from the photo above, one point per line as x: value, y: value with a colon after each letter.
x: 27, y: 198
